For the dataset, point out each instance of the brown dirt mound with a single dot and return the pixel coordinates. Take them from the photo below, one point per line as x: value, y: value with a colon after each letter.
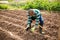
x: 13, y: 22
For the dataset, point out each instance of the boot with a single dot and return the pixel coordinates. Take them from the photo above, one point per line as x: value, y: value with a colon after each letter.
x: 41, y: 31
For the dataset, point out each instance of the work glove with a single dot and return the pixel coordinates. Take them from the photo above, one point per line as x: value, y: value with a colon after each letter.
x: 33, y: 29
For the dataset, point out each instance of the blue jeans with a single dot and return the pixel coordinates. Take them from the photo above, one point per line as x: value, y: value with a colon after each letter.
x: 41, y: 23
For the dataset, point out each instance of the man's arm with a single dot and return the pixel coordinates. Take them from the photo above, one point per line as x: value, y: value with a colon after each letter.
x: 38, y: 14
x: 37, y: 19
x: 29, y: 21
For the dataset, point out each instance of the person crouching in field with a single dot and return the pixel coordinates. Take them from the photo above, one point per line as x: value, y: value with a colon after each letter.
x: 34, y: 15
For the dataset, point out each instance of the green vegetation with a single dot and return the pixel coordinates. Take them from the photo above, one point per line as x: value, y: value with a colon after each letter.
x: 35, y: 4
x: 3, y: 6
x: 6, y: 6
x: 43, y: 5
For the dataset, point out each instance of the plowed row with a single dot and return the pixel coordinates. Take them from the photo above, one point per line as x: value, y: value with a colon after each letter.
x: 13, y: 23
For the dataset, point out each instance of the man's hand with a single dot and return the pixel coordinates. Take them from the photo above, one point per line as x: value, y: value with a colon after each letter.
x: 44, y: 28
x: 27, y: 28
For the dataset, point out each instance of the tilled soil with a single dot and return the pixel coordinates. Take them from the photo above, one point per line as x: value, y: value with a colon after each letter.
x: 13, y: 23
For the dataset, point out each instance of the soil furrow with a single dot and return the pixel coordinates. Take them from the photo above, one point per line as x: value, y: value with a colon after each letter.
x: 13, y: 16
x: 20, y: 22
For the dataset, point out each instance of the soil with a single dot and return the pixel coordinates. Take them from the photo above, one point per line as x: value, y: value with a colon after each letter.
x: 13, y: 23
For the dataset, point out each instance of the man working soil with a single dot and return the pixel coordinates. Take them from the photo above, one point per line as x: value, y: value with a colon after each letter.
x: 34, y: 15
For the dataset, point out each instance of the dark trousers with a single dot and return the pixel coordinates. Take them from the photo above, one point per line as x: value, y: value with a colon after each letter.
x: 41, y: 23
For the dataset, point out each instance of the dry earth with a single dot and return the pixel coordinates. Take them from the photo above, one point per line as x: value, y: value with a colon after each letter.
x: 13, y: 23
